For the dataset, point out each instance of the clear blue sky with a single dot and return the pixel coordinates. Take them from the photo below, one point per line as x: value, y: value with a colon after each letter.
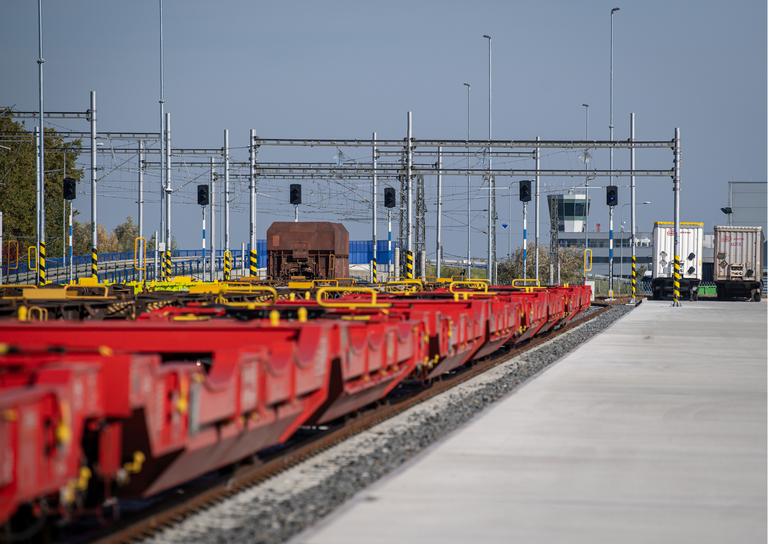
x: 348, y: 69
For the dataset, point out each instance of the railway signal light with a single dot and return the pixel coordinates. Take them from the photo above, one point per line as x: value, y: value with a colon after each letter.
x: 203, y: 195
x: 525, y: 190
x: 611, y: 195
x: 70, y: 188
x: 295, y: 193
x: 389, y: 197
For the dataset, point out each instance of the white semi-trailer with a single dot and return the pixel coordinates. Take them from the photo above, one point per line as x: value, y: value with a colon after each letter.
x: 663, y: 266
x: 739, y: 261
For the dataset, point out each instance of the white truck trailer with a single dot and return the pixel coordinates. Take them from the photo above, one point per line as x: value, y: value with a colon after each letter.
x: 663, y: 266
x: 738, y: 269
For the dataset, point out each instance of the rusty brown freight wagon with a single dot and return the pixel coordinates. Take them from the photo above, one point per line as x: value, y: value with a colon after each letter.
x: 313, y: 250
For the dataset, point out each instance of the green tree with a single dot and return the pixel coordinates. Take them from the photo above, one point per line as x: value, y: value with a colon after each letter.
x: 18, y: 185
x: 126, y: 234
x: 81, y: 239
x: 571, y: 265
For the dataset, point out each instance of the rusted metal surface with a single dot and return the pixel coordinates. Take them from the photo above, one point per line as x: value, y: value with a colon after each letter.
x: 312, y: 250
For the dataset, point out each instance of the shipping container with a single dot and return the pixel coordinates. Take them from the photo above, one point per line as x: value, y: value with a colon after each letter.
x: 691, y: 236
x: 739, y: 262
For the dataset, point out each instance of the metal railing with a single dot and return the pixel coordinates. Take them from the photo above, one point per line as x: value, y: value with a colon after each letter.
x: 119, y: 267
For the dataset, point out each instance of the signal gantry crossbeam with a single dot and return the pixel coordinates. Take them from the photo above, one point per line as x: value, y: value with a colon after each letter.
x: 407, y: 169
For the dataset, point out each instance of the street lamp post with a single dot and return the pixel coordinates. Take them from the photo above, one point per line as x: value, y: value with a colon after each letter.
x: 509, y: 234
x: 610, y: 220
x: 586, y: 190
x: 491, y: 183
x: 631, y: 237
x: 469, y: 194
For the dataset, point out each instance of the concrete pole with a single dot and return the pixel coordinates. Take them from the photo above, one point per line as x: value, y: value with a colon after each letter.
x: 537, y: 156
x: 374, y: 193
x: 94, y: 212
x: 140, y: 245
x: 213, y: 219
x: 41, y: 150
x: 439, y: 244
x: 469, y: 190
x: 168, y: 235
x: 226, y: 190
x: 409, y: 196
x: 632, y: 205
x: 676, y: 302
x: 253, y: 255
x: 162, y: 136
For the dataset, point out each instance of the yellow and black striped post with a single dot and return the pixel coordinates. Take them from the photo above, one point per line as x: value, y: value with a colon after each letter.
x: 95, y: 263
x: 677, y: 281
x: 373, y: 269
x: 634, y: 279
x: 409, y: 266
x: 254, y: 265
x: 41, y: 264
x: 227, y: 265
x: 168, y: 261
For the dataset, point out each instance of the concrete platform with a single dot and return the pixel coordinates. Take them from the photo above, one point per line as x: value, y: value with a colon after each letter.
x: 654, y: 431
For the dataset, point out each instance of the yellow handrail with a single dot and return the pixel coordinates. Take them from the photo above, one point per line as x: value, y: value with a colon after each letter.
x: 585, y: 260
x: 31, y: 249
x: 349, y: 304
x: 524, y: 281
x: 226, y: 288
x: 404, y: 286
x: 469, y: 284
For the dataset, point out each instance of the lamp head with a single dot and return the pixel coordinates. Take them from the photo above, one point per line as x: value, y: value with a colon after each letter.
x: 486, y: 36
x: 614, y: 9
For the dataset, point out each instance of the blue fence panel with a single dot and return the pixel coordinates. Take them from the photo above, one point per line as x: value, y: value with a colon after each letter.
x: 360, y: 252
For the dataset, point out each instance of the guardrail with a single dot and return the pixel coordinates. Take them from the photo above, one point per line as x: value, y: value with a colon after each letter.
x: 119, y: 267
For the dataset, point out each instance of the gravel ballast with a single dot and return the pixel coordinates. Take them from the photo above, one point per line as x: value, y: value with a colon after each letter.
x: 296, y: 499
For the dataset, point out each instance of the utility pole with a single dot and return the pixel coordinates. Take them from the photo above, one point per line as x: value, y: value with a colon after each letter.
x: 226, y: 191
x: 409, y: 197
x: 253, y: 256
x: 140, y: 246
x: 537, y: 157
x: 168, y: 235
x: 374, y: 194
x: 439, y: 244
x: 41, y: 159
x: 94, y: 215
x: 213, y: 219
